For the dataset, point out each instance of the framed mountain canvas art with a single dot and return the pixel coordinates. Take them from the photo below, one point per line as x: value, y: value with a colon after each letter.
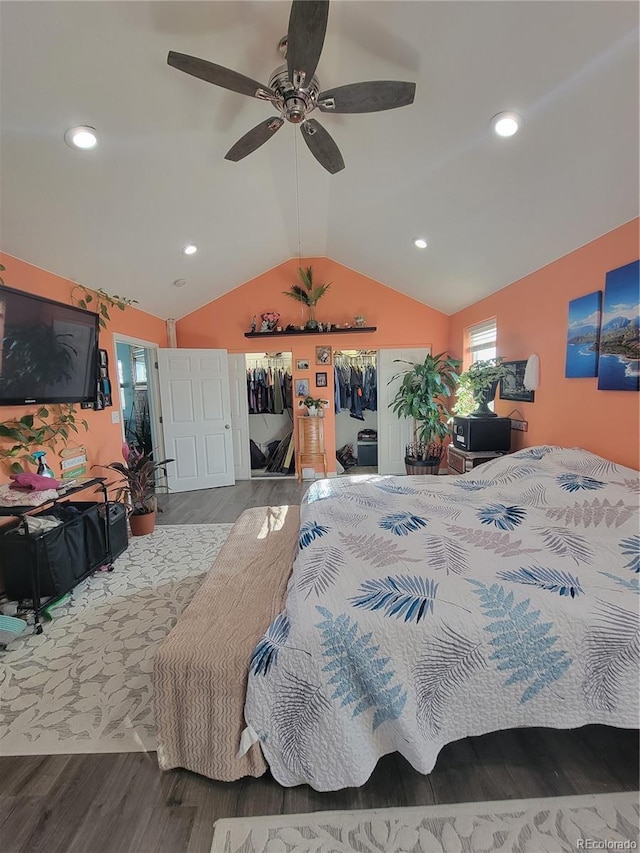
x: 618, y: 369
x: 583, y: 331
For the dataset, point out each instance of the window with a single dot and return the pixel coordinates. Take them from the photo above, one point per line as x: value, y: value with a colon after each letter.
x: 481, y: 341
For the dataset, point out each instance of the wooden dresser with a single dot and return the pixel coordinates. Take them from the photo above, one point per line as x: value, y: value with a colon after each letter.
x: 310, y: 445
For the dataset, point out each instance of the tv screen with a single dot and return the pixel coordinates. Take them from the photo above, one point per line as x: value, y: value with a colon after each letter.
x: 49, y: 351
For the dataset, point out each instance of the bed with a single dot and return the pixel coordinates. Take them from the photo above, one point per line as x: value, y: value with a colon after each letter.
x: 422, y: 610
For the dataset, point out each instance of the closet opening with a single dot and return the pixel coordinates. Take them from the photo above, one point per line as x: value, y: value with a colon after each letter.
x: 270, y: 401
x: 356, y: 408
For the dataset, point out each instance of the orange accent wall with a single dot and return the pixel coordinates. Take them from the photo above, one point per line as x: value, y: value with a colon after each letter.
x: 532, y: 318
x: 104, y: 439
x: 400, y: 320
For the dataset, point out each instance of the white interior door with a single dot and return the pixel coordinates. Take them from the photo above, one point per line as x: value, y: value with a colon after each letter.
x: 393, y: 432
x: 196, y: 418
x: 239, y: 416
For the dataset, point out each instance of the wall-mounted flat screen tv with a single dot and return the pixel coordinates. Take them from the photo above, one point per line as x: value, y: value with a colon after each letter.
x: 49, y: 351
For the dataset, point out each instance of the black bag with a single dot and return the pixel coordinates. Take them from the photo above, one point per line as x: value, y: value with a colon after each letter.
x: 345, y: 456
x: 258, y: 459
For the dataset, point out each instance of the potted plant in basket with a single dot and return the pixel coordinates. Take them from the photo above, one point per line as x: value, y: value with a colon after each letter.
x: 480, y: 383
x: 137, y: 482
x: 422, y: 395
x: 315, y: 407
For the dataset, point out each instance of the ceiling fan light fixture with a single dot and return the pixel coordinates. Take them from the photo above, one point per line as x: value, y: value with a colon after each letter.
x: 506, y: 124
x: 81, y: 136
x: 189, y: 249
x: 420, y: 243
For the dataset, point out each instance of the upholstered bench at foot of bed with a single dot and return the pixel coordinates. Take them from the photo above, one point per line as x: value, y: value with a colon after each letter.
x: 200, y: 670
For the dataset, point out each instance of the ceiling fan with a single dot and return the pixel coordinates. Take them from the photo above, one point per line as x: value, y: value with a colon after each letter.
x: 294, y: 90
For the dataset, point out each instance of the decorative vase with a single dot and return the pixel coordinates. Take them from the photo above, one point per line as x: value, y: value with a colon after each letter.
x: 312, y: 323
x: 483, y: 398
x: 359, y: 321
x: 142, y: 524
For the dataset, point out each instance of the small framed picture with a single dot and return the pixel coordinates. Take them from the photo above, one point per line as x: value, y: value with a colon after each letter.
x: 302, y: 387
x: 302, y: 364
x: 512, y: 386
x: 321, y: 380
x: 323, y: 355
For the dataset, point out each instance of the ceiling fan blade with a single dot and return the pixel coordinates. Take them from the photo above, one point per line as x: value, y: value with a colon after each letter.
x: 219, y: 76
x: 370, y: 97
x: 256, y: 137
x: 322, y: 146
x: 305, y: 37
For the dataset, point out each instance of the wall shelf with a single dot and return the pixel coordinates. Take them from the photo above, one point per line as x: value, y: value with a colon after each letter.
x: 285, y: 334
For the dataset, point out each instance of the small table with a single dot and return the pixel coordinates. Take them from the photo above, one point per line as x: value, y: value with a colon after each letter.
x: 461, y: 461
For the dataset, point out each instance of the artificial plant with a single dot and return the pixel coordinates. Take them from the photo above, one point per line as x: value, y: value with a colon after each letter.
x: 308, y: 293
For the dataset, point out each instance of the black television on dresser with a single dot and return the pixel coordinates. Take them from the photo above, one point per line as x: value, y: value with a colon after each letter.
x: 48, y: 350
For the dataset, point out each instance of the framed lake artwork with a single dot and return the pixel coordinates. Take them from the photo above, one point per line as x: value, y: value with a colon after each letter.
x: 583, y: 334
x: 618, y: 367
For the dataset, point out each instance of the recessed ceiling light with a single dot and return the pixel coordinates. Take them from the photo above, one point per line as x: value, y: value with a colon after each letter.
x: 420, y: 242
x: 190, y: 249
x: 82, y: 136
x: 506, y: 124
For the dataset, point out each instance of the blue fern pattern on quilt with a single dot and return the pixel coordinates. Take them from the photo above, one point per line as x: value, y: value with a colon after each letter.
x: 402, y: 523
x: 554, y: 580
x: 265, y: 654
x: 520, y: 640
x: 504, y: 517
x: 309, y: 531
x: 574, y: 483
x: 360, y: 674
x: 631, y: 548
x: 399, y: 596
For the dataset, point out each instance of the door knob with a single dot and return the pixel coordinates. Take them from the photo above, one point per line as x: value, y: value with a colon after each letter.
x: 226, y: 426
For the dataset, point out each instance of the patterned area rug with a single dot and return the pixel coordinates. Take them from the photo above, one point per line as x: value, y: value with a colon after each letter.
x: 84, y: 685
x: 548, y: 825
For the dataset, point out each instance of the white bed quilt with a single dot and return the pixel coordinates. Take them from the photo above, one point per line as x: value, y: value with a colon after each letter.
x: 422, y: 610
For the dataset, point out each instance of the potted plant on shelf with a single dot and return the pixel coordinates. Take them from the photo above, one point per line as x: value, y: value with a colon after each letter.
x: 315, y: 407
x: 479, y: 383
x: 423, y: 395
x: 309, y: 294
x: 138, y: 482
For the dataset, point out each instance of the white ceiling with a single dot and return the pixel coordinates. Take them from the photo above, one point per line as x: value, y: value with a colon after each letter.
x: 492, y: 210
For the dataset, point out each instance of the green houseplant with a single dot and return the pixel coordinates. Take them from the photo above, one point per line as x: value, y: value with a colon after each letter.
x: 315, y: 407
x: 137, y: 481
x: 44, y: 428
x: 422, y: 395
x: 479, y: 384
x: 308, y: 293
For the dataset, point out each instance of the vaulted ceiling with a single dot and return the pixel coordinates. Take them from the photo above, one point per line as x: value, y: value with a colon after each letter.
x: 492, y: 210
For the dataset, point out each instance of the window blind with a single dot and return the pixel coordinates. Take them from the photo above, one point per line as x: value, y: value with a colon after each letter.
x: 482, y: 336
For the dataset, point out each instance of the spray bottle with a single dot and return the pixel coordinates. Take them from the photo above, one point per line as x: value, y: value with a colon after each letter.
x: 43, y: 468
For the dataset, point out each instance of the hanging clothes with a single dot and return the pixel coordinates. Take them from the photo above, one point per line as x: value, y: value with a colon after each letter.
x: 267, y: 390
x: 356, y: 386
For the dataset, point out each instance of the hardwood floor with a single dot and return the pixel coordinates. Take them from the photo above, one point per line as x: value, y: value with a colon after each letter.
x: 123, y: 804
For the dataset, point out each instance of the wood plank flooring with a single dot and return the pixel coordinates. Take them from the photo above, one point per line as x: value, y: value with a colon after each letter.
x: 123, y: 804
